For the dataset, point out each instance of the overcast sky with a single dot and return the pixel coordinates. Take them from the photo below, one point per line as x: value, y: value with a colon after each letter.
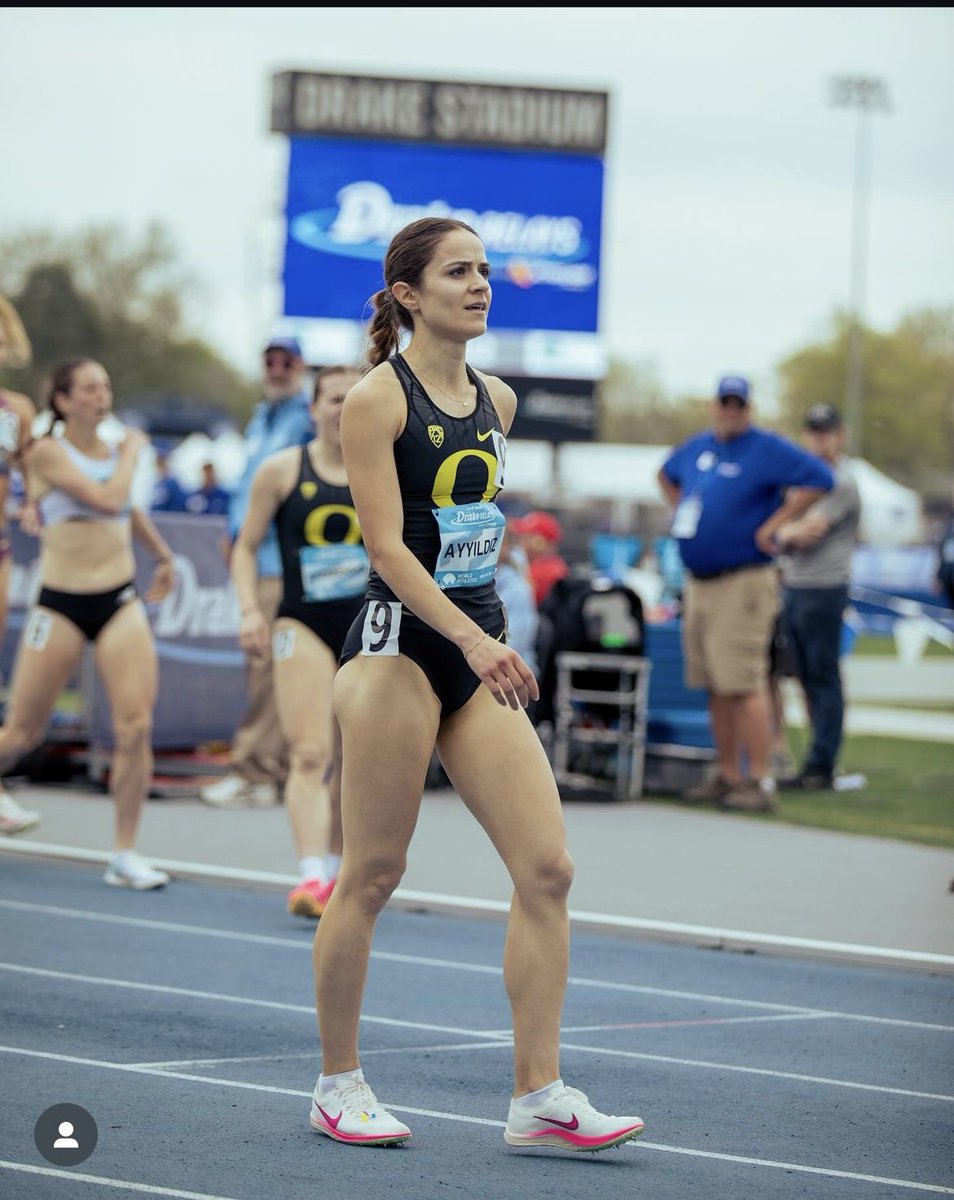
x: 728, y: 202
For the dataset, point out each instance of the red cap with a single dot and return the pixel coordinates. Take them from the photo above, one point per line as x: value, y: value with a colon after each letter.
x: 542, y: 523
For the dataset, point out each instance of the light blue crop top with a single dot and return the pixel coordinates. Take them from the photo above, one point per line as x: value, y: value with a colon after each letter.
x: 58, y: 506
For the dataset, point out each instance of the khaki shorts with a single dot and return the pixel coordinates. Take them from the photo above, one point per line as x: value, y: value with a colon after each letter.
x: 727, y: 628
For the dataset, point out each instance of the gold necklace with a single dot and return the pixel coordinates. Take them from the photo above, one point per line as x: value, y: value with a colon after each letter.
x: 455, y: 399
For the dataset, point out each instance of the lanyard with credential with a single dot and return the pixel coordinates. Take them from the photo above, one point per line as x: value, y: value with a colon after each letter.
x: 685, y: 520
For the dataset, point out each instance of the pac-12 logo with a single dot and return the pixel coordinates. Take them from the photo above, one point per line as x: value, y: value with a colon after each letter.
x: 436, y: 434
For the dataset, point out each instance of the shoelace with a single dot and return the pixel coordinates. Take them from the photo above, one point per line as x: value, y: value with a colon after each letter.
x: 357, y: 1097
x: 578, y: 1098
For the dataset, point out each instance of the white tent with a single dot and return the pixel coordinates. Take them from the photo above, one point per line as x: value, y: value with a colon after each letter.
x: 891, y: 514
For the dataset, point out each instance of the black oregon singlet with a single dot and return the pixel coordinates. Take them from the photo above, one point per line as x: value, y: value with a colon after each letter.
x: 443, y: 460
x: 315, y: 513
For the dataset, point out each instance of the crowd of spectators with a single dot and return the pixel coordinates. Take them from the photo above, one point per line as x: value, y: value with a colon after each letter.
x: 171, y: 496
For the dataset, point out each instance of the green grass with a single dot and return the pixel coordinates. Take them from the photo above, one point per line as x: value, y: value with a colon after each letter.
x: 909, y: 795
x: 883, y: 645
x: 931, y: 706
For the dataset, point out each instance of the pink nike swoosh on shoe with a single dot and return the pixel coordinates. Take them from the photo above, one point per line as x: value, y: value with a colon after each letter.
x: 574, y: 1124
x: 332, y: 1121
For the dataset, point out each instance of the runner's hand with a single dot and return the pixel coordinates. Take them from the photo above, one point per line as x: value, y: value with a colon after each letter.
x: 503, y: 672
x: 163, y: 579
x: 134, y: 440
x: 29, y: 518
x: 254, y: 634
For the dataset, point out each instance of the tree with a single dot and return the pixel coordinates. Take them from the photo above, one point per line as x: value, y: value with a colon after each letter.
x: 908, y: 408
x: 121, y: 301
x: 634, y: 409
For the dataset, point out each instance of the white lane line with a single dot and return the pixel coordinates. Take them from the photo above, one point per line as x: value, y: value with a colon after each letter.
x: 766, y: 1071
x: 496, y: 1044
x: 258, y: 939
x: 244, y: 1058
x: 165, y: 989
x: 608, y: 1026
x: 936, y: 1188
x: 227, y: 998
x: 670, y: 931
x: 456, y: 965
x: 448, y: 1116
x: 151, y: 1189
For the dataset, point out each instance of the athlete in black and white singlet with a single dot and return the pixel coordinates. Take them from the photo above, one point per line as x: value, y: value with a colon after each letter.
x: 454, y: 464
x: 449, y: 469
x: 324, y: 562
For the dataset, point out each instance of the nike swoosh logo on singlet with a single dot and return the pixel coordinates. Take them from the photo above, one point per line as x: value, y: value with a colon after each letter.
x: 482, y: 437
x: 574, y: 1124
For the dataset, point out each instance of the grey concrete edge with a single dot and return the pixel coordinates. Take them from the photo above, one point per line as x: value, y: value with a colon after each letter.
x: 703, y: 936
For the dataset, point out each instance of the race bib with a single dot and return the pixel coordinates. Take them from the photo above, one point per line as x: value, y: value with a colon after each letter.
x: 686, y: 519
x: 9, y: 432
x: 471, y: 535
x: 333, y: 572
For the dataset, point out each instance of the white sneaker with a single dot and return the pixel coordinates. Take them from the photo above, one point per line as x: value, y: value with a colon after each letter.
x: 232, y: 791
x: 350, y: 1112
x: 566, y: 1118
x: 13, y: 818
x: 133, y: 871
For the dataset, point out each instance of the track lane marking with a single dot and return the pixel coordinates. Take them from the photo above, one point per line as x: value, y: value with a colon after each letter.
x: 712, y: 1155
x: 222, y: 997
x: 479, y: 968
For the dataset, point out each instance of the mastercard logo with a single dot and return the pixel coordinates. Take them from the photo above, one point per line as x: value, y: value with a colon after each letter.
x: 520, y: 273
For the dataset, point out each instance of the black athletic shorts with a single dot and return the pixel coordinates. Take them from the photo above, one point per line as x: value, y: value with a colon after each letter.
x: 386, y: 628
x: 90, y: 612
x: 328, y: 620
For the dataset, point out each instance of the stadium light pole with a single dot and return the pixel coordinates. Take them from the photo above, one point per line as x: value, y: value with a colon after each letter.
x: 865, y: 95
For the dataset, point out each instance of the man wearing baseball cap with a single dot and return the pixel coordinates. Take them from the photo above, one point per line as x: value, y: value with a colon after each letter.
x: 730, y: 489
x: 258, y: 763
x: 818, y: 549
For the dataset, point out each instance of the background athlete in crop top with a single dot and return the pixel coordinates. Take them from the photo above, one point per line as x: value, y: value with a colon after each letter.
x: 303, y: 492
x: 422, y: 444
x: 16, y: 421
x: 87, y: 571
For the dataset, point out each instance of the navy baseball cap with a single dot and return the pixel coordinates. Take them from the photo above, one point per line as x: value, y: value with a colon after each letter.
x: 734, y: 385
x: 290, y: 345
x: 821, y: 418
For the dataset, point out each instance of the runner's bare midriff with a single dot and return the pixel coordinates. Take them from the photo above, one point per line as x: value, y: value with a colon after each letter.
x: 87, y: 556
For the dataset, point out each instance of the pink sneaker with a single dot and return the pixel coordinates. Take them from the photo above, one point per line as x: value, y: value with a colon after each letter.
x: 308, y: 899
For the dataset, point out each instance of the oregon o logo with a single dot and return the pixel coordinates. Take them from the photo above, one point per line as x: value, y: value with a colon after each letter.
x: 317, y: 521
x: 446, y: 478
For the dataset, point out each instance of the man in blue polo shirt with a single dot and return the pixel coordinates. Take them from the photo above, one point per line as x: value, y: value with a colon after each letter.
x: 728, y: 488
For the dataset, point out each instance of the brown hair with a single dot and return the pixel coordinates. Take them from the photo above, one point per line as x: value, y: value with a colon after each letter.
x: 409, y: 253
x: 335, y: 369
x: 61, y: 380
